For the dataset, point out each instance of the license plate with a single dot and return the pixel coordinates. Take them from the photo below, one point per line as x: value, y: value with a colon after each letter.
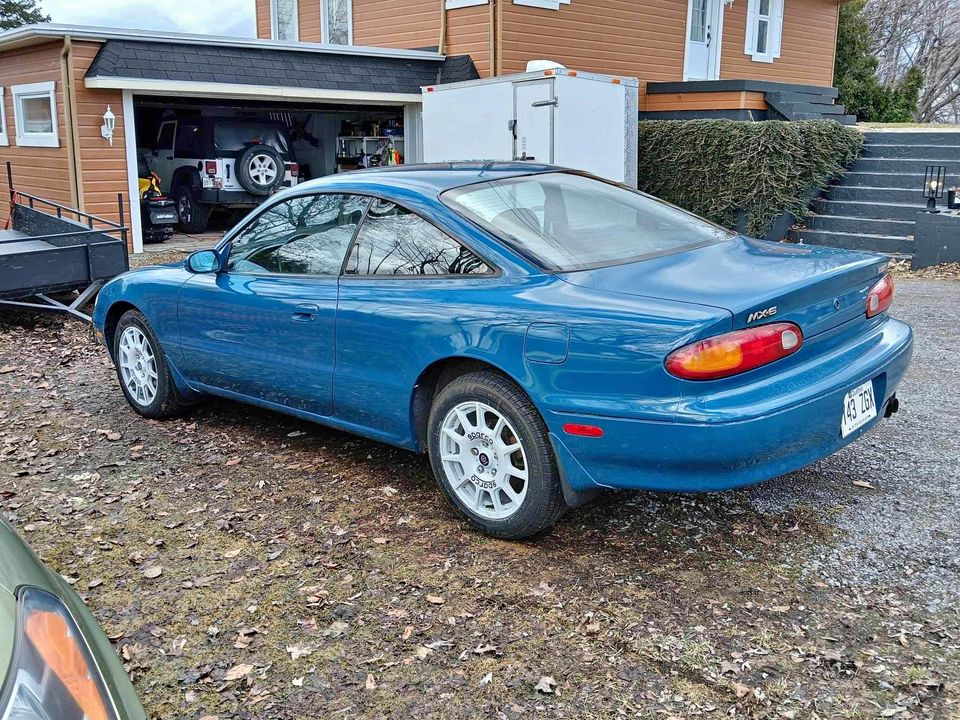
x: 859, y: 408
x: 208, y: 182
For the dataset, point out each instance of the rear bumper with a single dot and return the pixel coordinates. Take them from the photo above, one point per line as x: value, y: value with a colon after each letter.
x: 212, y: 196
x: 725, y: 439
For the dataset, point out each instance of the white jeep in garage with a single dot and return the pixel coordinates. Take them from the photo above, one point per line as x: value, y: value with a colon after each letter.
x: 221, y: 162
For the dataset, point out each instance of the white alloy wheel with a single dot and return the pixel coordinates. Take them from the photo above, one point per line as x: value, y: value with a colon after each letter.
x: 138, y: 366
x: 484, y: 460
x: 263, y: 169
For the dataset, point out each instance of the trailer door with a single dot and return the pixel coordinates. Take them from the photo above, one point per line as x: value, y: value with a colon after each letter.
x: 534, y: 104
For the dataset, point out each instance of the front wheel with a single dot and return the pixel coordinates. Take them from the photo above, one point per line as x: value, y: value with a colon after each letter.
x: 492, y: 457
x: 142, y: 368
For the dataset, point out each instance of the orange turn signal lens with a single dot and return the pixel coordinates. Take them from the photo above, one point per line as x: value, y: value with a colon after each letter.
x: 735, y: 352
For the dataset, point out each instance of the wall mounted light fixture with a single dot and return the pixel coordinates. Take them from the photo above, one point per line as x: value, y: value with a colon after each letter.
x: 109, y: 124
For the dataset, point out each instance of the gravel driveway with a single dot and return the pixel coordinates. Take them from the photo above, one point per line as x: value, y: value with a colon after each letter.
x: 249, y: 565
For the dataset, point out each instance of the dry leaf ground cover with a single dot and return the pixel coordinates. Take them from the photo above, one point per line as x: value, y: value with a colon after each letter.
x: 248, y: 565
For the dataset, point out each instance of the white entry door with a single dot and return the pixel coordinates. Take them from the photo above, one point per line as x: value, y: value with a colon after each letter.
x: 704, y: 28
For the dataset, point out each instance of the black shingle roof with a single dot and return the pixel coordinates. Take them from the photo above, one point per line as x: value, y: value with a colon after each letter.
x: 270, y: 66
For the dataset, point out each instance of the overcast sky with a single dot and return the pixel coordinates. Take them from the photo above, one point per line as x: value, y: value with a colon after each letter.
x: 215, y: 17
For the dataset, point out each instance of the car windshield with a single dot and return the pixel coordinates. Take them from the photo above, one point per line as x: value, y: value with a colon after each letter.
x: 232, y: 138
x: 568, y: 222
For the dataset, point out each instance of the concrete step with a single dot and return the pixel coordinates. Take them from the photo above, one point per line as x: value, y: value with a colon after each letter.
x: 886, y: 244
x: 866, y: 193
x: 914, y: 138
x: 904, y: 181
x: 801, y: 97
x: 870, y: 210
x: 860, y: 225
x: 806, y: 107
x: 903, y: 165
x: 934, y: 154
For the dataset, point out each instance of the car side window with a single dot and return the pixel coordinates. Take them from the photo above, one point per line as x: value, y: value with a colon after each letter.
x: 187, y: 145
x: 165, y: 137
x: 394, y: 241
x: 307, y: 235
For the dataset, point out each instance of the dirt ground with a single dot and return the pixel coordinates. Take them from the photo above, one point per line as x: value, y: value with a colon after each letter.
x: 249, y: 565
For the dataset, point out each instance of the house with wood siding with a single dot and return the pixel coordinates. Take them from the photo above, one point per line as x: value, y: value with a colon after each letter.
x: 742, y: 59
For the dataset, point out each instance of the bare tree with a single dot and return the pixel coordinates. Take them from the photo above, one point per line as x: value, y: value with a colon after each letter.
x: 924, y: 34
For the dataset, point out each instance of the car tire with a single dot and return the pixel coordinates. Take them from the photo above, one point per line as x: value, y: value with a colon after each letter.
x: 260, y: 170
x: 142, y: 369
x: 499, y: 430
x: 193, y: 215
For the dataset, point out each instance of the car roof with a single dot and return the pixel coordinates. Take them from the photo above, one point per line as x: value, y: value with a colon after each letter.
x: 438, y: 176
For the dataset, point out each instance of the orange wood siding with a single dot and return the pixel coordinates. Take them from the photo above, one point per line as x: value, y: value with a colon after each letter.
x: 263, y: 19
x: 807, y: 49
x: 308, y: 21
x: 637, y: 38
x: 36, y: 170
x: 468, y: 33
x: 394, y: 23
x: 668, y: 102
x: 103, y: 169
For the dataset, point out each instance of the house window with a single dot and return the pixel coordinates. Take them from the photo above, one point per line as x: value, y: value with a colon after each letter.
x: 283, y: 20
x: 764, y: 29
x: 35, y: 114
x: 338, y: 22
x: 4, y: 140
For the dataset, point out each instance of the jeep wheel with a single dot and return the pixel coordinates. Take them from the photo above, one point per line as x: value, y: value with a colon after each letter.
x: 194, y: 216
x: 261, y: 170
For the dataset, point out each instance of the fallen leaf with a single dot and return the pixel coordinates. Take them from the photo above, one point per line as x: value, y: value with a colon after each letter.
x: 863, y: 484
x: 336, y: 629
x: 299, y: 650
x: 232, y: 461
x: 152, y: 571
x: 423, y: 652
x: 546, y: 685
x: 486, y: 679
x: 741, y: 690
x: 380, y: 541
x: 407, y: 632
x: 238, y: 671
x: 298, y: 682
x: 434, y: 599
x: 7, y: 369
x: 371, y: 683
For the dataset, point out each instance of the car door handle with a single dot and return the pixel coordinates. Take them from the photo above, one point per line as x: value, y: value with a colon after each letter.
x: 306, y: 313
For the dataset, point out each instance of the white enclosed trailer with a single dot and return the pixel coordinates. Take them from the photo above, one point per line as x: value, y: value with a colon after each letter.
x: 556, y: 116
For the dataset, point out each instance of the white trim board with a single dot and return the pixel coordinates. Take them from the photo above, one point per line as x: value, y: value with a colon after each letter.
x: 133, y: 187
x: 240, y: 91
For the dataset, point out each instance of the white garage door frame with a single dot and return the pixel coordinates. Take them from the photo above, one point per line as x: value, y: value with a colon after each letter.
x: 410, y: 102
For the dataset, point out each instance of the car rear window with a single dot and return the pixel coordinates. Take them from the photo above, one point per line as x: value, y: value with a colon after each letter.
x: 232, y: 138
x: 568, y: 222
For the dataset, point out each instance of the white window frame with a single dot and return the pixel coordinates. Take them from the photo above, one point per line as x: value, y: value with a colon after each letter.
x: 546, y: 4
x: 274, y: 22
x: 325, y: 27
x: 774, y: 31
x: 454, y: 4
x: 21, y: 92
x: 4, y: 138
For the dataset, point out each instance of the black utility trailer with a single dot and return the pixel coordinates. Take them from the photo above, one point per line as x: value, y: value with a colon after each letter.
x: 50, y: 249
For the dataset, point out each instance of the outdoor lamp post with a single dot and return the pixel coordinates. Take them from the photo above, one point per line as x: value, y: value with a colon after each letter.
x: 933, y: 185
x: 109, y: 124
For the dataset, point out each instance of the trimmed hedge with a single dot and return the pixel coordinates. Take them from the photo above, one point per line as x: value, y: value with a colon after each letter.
x: 743, y: 174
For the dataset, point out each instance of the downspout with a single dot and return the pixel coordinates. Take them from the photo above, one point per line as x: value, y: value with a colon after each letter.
x: 70, y: 120
x: 442, y: 45
x: 498, y: 45
x: 492, y: 39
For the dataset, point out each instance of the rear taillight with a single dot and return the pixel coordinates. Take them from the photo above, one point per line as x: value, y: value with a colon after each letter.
x: 294, y: 169
x: 211, y: 167
x: 880, y: 296
x: 735, y: 352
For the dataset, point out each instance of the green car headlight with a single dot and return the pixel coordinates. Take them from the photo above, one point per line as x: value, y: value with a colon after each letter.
x: 53, y: 675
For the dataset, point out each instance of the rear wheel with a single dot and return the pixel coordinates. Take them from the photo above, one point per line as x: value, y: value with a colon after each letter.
x: 194, y: 215
x: 492, y: 457
x: 142, y: 368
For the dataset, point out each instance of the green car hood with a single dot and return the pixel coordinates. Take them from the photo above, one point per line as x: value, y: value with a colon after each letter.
x: 20, y: 567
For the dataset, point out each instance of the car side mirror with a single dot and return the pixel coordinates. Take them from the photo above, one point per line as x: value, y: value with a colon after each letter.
x: 203, y: 261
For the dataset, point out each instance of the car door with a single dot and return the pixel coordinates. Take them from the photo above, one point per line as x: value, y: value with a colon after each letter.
x: 162, y: 160
x: 263, y: 327
x: 408, y: 288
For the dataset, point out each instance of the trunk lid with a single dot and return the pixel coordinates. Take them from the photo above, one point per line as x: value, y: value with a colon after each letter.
x: 757, y: 281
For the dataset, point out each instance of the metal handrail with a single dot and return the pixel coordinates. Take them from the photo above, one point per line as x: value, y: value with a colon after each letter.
x: 61, y: 208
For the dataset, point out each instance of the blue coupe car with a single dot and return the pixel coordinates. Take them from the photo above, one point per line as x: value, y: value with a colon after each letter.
x: 541, y: 333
